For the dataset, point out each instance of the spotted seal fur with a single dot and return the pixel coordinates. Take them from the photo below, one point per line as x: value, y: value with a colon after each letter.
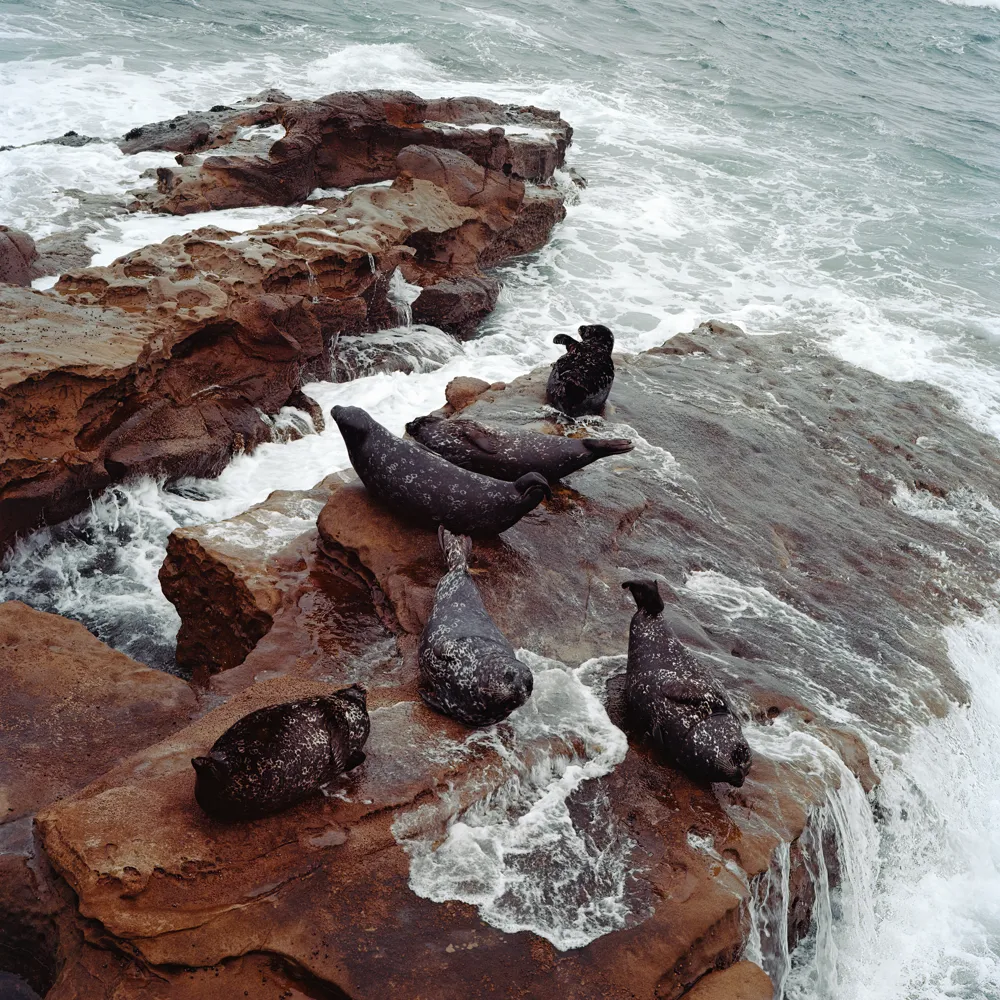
x: 508, y: 452
x: 675, y: 702
x: 580, y: 381
x: 468, y: 670
x: 279, y: 755
x: 419, y: 484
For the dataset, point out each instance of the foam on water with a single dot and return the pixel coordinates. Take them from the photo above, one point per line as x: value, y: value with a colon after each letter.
x: 522, y: 854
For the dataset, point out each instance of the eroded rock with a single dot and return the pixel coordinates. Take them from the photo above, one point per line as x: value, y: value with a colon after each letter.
x: 338, y: 141
x: 18, y: 257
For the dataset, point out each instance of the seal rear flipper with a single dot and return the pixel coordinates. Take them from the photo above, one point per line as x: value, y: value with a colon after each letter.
x: 456, y: 548
x: 566, y: 341
x: 646, y: 594
x: 533, y: 480
x: 610, y: 446
x: 356, y: 759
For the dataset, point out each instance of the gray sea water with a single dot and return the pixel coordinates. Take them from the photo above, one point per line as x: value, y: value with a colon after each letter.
x: 829, y: 167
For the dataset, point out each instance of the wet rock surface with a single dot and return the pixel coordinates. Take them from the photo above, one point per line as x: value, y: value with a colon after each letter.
x: 764, y: 471
x: 163, y: 362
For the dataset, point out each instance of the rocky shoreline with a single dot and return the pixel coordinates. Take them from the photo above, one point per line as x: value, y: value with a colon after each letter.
x: 789, y: 499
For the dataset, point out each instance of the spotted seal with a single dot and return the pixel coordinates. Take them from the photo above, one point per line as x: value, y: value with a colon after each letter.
x: 279, y: 755
x: 507, y: 452
x: 675, y: 702
x: 580, y: 381
x: 467, y: 668
x: 418, y: 484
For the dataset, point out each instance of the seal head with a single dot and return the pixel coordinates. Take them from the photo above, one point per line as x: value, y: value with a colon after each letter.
x: 468, y: 670
x: 279, y: 755
x: 580, y: 381
x: 674, y: 701
x: 509, y: 452
x: 426, y: 488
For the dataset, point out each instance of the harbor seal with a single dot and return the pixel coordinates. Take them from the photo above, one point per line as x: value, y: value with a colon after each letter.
x: 418, y: 484
x: 468, y: 670
x: 277, y: 756
x: 509, y: 453
x: 675, y: 702
x: 580, y: 381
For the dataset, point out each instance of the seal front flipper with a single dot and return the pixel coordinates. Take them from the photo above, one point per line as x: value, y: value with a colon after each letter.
x: 356, y: 759
x: 607, y: 446
x: 479, y: 437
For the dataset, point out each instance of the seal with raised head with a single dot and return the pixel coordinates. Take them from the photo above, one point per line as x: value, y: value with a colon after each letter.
x: 468, y: 670
x: 279, y: 755
x: 675, y: 702
x: 580, y: 381
x: 508, y: 452
x: 414, y: 482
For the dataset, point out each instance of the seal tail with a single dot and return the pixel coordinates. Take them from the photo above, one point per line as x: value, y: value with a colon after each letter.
x: 609, y: 446
x: 456, y: 548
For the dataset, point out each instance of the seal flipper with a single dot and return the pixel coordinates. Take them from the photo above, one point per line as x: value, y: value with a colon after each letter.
x: 479, y: 437
x: 533, y: 480
x: 356, y: 759
x: 456, y: 548
x: 602, y: 447
x: 567, y: 341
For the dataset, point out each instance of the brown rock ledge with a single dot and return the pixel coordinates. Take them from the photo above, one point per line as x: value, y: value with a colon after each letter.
x: 164, y: 362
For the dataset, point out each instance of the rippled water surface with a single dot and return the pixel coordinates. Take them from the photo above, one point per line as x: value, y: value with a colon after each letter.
x: 830, y: 167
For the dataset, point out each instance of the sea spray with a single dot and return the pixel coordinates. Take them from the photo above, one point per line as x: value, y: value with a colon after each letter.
x: 520, y: 853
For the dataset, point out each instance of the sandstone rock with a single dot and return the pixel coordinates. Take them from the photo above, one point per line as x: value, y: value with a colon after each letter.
x: 72, y: 708
x: 457, y: 306
x: 226, y: 579
x: 324, y: 886
x: 162, y: 362
x: 742, y: 981
x: 339, y: 141
x: 18, y: 257
x: 464, y: 390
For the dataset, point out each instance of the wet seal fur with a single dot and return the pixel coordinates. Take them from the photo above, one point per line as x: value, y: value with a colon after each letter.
x: 468, y: 670
x: 675, y: 702
x: 423, y: 486
x: 279, y: 755
x: 580, y: 381
x: 509, y: 453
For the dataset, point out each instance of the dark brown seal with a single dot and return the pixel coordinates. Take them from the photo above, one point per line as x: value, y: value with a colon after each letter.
x: 580, y: 381
x: 279, y: 755
x: 420, y: 485
x: 509, y: 452
x: 675, y: 702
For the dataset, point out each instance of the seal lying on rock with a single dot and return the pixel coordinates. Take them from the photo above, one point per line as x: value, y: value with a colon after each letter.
x: 581, y: 379
x: 467, y: 668
x: 675, y: 701
x: 282, y: 754
x: 417, y: 483
x: 509, y: 453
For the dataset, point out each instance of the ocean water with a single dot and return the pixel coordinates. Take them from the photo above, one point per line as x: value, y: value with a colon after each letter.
x: 829, y: 167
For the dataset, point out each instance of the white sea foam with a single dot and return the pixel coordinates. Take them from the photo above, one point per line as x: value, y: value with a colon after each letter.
x: 518, y: 853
